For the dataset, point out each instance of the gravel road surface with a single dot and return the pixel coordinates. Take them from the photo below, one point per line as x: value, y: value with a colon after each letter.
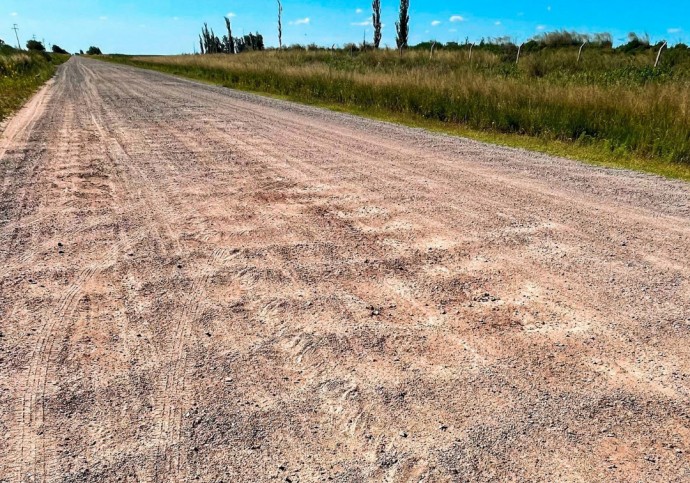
x: 203, y: 284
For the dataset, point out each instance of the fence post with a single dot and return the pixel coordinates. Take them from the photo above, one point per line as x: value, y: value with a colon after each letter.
x: 518, y: 54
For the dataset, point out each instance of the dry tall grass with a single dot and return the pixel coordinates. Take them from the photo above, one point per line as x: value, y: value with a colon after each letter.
x: 619, y: 101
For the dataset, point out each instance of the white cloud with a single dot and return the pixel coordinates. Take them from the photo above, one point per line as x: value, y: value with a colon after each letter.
x: 548, y: 8
x: 103, y: 17
x: 364, y: 23
x: 457, y: 18
x: 301, y: 21
x: 498, y: 22
x: 541, y: 27
x: 675, y: 30
x: 436, y: 23
x: 14, y: 14
x: 231, y: 15
x: 359, y: 10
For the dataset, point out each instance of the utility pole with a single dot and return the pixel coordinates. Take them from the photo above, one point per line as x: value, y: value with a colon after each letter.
x: 16, y: 29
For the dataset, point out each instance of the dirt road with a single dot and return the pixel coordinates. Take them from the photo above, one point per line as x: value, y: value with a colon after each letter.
x: 197, y: 283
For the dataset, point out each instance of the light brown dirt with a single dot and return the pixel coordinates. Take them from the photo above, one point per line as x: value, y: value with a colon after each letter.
x: 197, y: 283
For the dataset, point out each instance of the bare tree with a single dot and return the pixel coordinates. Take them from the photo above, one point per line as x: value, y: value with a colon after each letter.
x: 402, y: 26
x: 280, y: 25
x: 376, y: 22
x: 579, y: 52
x: 658, y: 56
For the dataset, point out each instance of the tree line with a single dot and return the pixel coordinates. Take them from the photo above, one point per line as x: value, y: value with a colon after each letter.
x: 210, y: 43
x: 34, y: 45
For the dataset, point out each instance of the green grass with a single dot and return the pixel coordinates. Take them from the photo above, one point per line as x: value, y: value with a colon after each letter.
x: 21, y: 74
x: 610, y: 110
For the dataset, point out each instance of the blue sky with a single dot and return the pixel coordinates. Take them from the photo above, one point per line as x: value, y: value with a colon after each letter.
x: 171, y: 26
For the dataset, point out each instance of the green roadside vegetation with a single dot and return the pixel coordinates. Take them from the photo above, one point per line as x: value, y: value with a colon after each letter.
x: 611, y: 108
x: 22, y: 73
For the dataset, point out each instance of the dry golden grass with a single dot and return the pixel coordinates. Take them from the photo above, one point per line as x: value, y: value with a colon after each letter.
x: 615, y: 101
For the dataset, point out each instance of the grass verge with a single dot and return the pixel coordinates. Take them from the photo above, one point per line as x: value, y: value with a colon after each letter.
x: 594, y: 151
x: 21, y: 74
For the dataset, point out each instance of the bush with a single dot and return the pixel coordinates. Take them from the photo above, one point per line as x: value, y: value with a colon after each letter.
x: 94, y: 51
x: 59, y: 50
x: 35, y: 45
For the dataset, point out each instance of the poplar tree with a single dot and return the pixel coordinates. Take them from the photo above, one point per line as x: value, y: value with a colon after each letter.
x: 230, y: 41
x: 280, y: 25
x: 402, y: 26
x: 376, y: 22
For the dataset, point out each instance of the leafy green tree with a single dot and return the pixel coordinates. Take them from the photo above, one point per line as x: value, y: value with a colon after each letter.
x: 402, y: 26
x: 35, y: 45
x: 94, y: 51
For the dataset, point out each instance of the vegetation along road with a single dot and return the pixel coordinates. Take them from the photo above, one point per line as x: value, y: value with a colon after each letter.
x: 203, y: 283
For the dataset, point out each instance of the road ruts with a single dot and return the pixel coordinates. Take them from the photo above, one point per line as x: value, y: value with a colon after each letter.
x: 203, y: 284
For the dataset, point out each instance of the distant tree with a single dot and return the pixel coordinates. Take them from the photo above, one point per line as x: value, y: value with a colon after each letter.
x: 59, y: 50
x: 229, y: 40
x: 280, y: 25
x: 81, y: 52
x: 635, y: 43
x: 2, y: 42
x: 35, y: 45
x: 210, y: 43
x: 402, y: 26
x: 376, y: 22
x: 94, y: 51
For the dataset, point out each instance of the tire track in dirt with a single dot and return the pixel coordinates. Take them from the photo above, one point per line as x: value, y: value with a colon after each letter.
x: 382, y: 303
x: 173, y: 396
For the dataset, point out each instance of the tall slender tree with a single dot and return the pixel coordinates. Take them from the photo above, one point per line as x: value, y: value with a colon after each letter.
x: 402, y: 26
x: 280, y: 25
x: 376, y: 22
x: 230, y: 47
